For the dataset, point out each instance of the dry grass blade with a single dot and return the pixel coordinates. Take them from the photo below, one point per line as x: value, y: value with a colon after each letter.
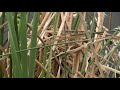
x: 43, y: 21
x: 109, y: 68
x: 61, y: 28
x: 44, y: 68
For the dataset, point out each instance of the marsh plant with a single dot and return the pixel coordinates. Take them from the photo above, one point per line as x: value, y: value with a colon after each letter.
x: 58, y: 45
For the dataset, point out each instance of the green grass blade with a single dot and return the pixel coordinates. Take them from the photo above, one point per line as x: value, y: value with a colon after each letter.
x: 56, y: 20
x: 76, y: 22
x: 14, y: 46
x: 33, y: 44
x: 44, y: 61
x: 92, y: 26
x: 84, y: 61
x: 16, y: 26
x: 23, y: 39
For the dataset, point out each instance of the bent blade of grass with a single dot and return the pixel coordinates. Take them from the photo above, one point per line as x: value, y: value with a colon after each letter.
x: 14, y: 46
x: 23, y: 39
x: 33, y: 44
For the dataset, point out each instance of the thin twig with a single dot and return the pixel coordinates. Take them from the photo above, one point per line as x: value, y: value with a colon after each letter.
x: 44, y: 68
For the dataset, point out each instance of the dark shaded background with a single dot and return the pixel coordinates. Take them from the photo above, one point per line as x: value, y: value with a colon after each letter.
x: 115, y: 19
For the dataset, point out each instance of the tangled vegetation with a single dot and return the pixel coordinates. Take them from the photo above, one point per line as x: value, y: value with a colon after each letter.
x: 58, y: 45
